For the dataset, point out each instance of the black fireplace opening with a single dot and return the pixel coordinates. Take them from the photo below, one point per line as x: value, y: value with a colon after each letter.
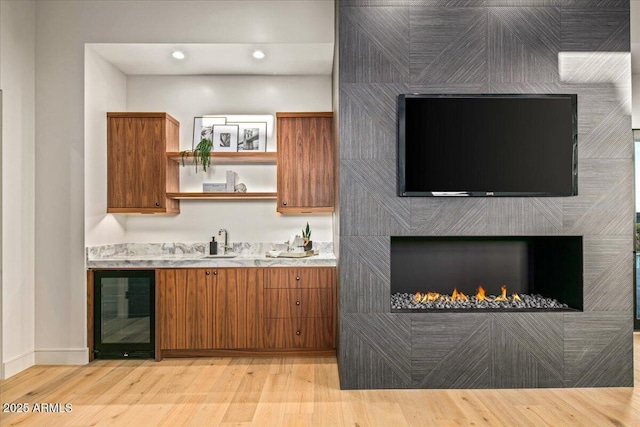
x: 490, y: 273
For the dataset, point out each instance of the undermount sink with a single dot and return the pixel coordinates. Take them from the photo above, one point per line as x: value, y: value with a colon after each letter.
x: 220, y: 256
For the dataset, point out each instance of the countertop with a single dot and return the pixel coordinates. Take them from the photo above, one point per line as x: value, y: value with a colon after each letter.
x: 198, y: 261
x: 188, y: 255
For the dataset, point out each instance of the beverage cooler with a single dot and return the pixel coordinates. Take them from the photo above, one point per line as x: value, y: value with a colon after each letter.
x: 124, y: 315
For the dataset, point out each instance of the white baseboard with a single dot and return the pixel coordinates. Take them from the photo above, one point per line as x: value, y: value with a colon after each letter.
x: 18, y: 364
x: 62, y: 356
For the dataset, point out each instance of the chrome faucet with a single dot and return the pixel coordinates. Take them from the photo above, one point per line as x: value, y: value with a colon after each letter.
x: 222, y: 241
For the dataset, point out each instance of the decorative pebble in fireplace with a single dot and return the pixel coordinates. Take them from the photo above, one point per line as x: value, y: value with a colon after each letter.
x: 542, y: 273
x: 460, y: 301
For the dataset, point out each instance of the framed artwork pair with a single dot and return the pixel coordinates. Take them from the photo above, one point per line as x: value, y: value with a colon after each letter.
x: 232, y: 133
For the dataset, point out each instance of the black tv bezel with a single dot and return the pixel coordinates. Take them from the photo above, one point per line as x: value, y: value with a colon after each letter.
x: 402, y: 143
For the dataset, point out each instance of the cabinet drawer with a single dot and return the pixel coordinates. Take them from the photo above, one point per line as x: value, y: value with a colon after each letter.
x: 285, y: 303
x: 299, y: 333
x: 309, y: 277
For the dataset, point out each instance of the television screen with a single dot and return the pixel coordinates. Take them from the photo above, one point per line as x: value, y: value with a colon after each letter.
x: 487, y: 145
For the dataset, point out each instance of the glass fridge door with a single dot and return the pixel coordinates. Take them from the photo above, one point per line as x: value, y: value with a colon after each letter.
x: 124, y: 313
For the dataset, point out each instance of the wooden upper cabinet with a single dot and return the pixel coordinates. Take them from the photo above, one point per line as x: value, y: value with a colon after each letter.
x: 305, y: 162
x: 139, y: 175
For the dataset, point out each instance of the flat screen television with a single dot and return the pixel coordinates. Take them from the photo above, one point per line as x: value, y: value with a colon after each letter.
x: 487, y: 145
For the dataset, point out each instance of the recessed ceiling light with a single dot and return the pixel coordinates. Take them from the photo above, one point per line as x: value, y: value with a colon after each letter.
x: 258, y: 54
x: 177, y: 54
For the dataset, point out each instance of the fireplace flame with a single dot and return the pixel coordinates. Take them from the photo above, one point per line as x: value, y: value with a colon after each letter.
x: 423, y: 297
x: 417, y: 298
x: 432, y: 296
x: 458, y: 296
x: 503, y: 296
x: 480, y: 296
x: 426, y: 297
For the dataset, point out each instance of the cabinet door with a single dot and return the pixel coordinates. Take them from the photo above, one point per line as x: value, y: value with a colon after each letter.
x: 122, y: 178
x: 238, y: 308
x: 138, y: 172
x: 149, y: 145
x: 305, y: 162
x: 186, y: 300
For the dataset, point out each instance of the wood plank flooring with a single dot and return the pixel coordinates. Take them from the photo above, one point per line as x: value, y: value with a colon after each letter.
x: 293, y: 391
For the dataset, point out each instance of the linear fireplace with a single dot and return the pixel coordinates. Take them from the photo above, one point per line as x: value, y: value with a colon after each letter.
x: 496, y: 273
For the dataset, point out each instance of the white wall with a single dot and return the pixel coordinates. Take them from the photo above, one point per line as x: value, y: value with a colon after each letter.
x: 635, y: 101
x: 185, y: 97
x: 336, y: 123
x: 17, y: 81
x: 1, y: 238
x: 63, y: 28
x: 634, y: 14
x: 105, y: 90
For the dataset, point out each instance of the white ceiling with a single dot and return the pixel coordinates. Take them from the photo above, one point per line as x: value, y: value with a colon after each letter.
x: 219, y: 58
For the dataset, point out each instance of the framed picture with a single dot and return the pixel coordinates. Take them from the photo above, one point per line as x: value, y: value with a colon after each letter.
x: 255, y: 131
x: 252, y: 136
x: 225, y: 138
x: 203, y: 128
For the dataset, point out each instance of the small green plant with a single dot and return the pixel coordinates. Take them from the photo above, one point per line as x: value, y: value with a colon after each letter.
x: 201, y: 154
x: 306, y: 233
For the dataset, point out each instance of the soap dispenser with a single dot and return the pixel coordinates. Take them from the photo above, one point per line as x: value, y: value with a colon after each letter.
x: 213, y: 246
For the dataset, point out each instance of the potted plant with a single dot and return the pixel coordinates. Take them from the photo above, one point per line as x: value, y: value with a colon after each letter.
x: 201, y: 154
x: 306, y: 236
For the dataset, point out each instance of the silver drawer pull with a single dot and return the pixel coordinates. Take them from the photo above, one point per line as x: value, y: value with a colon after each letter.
x: 297, y: 332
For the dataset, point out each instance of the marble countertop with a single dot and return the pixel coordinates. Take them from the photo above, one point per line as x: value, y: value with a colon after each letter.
x: 199, y: 261
x: 167, y: 256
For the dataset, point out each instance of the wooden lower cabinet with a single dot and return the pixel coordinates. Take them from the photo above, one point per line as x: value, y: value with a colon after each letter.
x: 238, y: 308
x: 299, y: 307
x: 186, y: 301
x: 201, y: 311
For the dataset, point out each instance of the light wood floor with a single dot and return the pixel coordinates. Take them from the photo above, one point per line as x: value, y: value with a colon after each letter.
x: 290, y: 392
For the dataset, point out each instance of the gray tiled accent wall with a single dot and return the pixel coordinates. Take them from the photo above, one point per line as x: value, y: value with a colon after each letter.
x: 388, y: 47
